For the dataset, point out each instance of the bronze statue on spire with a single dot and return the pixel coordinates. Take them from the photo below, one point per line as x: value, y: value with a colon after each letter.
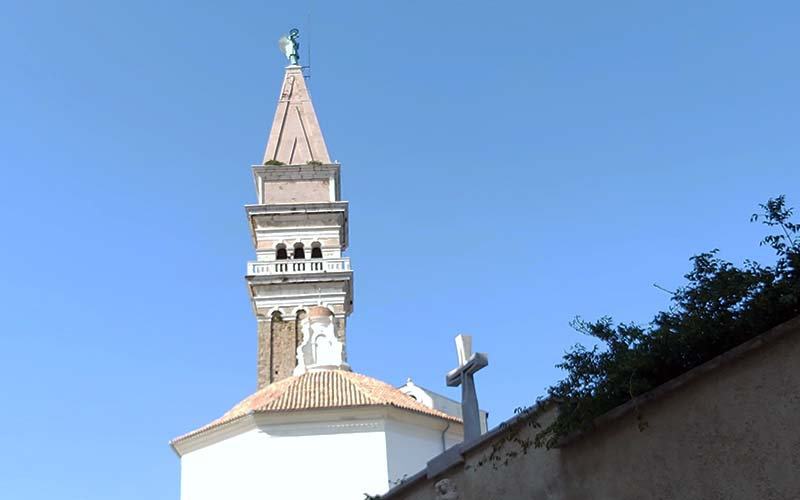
x: 290, y: 46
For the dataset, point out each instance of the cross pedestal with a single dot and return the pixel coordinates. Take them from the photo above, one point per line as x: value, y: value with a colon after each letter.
x: 468, y: 364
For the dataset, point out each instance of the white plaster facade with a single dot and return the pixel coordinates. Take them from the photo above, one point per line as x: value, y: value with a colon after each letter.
x: 407, y: 444
x: 438, y: 402
x: 332, y: 454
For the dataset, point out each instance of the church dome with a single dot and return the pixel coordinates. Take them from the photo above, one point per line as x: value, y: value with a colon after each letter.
x: 322, y: 390
x: 319, y: 311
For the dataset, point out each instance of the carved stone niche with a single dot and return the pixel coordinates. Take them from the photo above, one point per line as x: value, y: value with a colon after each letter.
x: 445, y: 489
x: 319, y: 349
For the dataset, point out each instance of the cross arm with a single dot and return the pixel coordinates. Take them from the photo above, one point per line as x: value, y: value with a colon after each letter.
x: 475, y: 362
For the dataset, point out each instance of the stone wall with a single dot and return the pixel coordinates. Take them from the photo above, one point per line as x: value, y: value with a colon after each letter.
x: 297, y: 191
x: 729, y: 429
x: 277, y: 348
x: 264, y: 353
x: 339, y: 329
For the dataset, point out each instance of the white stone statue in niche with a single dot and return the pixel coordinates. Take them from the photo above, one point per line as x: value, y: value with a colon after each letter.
x: 320, y: 349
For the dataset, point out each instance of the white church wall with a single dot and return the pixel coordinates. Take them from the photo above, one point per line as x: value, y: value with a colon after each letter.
x: 222, y: 470
x: 411, y: 446
x: 453, y: 436
x: 439, y: 402
x: 341, y: 460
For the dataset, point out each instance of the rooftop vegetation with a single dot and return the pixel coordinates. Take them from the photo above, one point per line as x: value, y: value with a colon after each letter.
x: 721, y: 306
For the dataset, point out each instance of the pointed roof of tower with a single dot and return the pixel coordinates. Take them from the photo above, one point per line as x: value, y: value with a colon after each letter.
x: 295, y: 138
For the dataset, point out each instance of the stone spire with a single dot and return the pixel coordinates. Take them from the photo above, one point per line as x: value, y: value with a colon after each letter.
x: 295, y: 138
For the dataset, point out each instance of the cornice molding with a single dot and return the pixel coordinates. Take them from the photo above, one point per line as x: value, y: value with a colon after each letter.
x: 297, y: 208
x: 309, y: 422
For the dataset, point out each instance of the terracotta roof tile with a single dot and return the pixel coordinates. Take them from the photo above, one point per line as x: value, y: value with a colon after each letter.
x: 322, y: 389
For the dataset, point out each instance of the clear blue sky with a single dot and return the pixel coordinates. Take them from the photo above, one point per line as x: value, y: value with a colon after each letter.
x: 509, y: 165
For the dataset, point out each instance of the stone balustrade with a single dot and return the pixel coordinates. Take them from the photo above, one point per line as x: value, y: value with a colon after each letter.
x: 260, y: 268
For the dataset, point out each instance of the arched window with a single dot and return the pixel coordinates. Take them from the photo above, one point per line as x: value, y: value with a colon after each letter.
x: 299, y: 253
x: 280, y: 252
x: 316, y: 250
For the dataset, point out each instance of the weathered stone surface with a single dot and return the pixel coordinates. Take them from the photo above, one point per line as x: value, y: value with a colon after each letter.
x: 264, y: 353
x: 295, y: 137
x: 297, y: 191
x: 284, y: 342
x: 339, y: 328
x: 277, y: 348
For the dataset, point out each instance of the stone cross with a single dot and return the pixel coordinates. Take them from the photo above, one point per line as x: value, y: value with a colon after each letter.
x: 468, y: 364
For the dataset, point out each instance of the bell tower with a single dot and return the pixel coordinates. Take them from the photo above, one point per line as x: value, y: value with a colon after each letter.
x: 299, y: 230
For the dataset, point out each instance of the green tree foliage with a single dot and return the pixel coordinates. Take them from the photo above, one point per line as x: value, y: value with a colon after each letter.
x: 720, y: 307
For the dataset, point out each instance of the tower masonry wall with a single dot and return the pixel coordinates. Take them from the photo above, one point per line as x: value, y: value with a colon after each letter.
x: 269, y: 243
x: 284, y: 348
x: 264, y: 354
x: 297, y: 191
x: 340, y: 330
x: 266, y: 245
x: 277, y: 349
